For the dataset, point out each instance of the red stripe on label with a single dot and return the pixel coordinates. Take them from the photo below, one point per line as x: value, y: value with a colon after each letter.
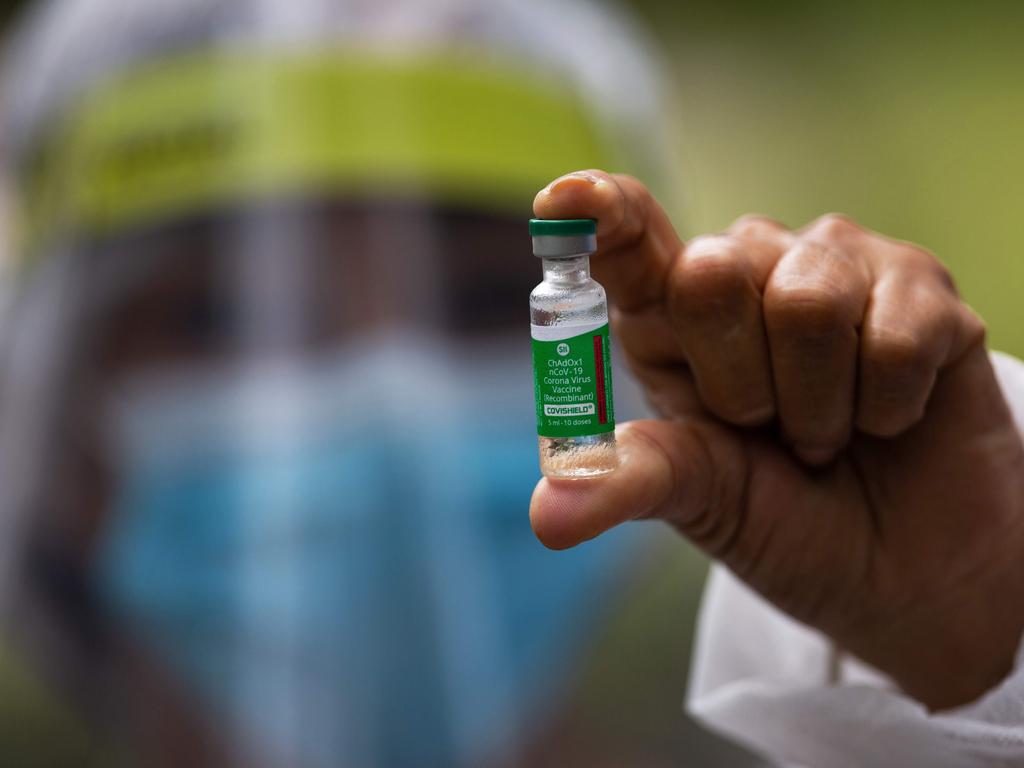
x: 602, y: 408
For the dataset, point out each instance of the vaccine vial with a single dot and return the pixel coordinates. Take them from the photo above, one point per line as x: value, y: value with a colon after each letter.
x: 571, y: 353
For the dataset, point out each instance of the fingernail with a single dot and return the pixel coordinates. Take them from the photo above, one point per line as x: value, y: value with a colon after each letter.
x: 584, y: 176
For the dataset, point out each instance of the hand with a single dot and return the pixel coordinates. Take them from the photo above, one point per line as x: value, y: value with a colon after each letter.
x: 831, y: 430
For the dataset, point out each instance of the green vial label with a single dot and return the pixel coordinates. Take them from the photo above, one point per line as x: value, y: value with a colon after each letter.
x: 572, y: 372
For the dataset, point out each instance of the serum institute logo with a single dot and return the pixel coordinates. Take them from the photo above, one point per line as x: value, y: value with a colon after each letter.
x: 562, y: 349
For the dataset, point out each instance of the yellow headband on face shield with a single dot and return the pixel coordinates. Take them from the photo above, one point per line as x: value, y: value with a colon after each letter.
x: 193, y: 133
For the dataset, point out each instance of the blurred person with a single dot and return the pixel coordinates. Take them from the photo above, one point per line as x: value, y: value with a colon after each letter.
x: 272, y: 257
x: 266, y: 442
x: 835, y: 434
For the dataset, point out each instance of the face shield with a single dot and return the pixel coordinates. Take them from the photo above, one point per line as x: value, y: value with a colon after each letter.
x: 267, y: 442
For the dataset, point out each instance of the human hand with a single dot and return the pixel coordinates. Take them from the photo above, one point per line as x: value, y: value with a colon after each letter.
x: 831, y: 430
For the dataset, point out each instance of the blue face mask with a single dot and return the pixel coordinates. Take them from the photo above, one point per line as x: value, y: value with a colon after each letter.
x: 335, y: 560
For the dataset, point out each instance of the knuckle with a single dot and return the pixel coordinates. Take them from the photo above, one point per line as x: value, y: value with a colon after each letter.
x: 897, y: 351
x: 916, y: 254
x: 835, y: 226
x: 806, y: 311
x: 942, y: 273
x: 754, y: 225
x: 920, y: 261
x: 940, y: 269
x: 974, y: 328
x: 708, y: 277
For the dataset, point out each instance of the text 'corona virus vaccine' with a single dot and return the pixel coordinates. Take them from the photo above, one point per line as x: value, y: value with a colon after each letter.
x: 572, y: 364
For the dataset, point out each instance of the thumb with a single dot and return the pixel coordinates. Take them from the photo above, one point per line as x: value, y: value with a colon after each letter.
x: 691, y: 473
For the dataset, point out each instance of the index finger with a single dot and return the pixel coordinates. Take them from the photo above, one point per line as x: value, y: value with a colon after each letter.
x: 636, y: 242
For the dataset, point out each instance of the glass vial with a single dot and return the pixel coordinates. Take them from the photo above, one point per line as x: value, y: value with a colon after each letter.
x: 571, y: 353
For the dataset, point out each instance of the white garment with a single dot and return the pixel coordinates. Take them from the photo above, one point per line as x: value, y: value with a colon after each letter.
x: 778, y: 687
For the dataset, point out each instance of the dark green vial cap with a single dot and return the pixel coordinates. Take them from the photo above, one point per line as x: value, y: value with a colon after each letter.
x: 562, y: 227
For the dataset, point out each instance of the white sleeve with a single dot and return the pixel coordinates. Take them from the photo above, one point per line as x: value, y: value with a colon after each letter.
x: 780, y: 688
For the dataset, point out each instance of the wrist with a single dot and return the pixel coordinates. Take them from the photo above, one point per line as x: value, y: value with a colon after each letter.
x: 951, y: 650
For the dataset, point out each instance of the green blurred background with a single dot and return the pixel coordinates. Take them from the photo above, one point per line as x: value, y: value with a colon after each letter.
x: 908, y: 117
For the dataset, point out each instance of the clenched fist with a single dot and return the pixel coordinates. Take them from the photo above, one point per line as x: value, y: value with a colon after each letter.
x: 831, y: 430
